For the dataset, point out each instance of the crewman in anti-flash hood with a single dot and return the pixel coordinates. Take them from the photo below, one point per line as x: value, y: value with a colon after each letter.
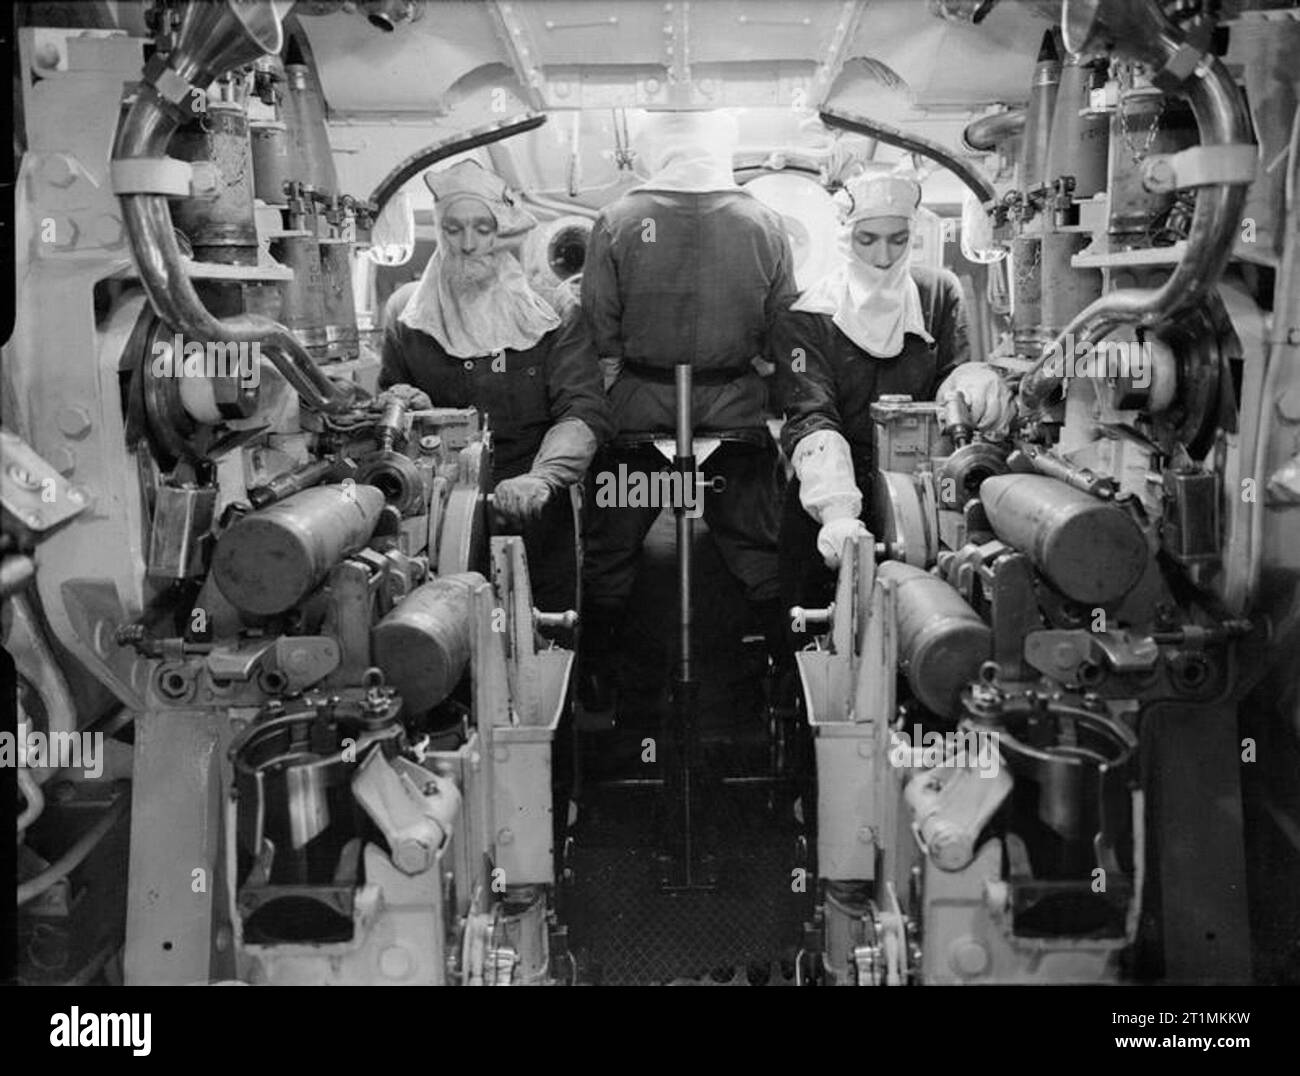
x: 875, y: 325
x: 686, y: 267
x: 475, y: 334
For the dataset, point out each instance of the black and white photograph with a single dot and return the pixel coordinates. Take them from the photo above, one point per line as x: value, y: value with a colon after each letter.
x: 755, y: 493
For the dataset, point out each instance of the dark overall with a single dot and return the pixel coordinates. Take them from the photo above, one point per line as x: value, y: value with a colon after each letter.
x: 685, y: 277
x: 522, y: 397
x: 824, y: 381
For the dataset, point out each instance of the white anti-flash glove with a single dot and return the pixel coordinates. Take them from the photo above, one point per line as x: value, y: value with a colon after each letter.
x: 833, y: 537
x: 828, y: 491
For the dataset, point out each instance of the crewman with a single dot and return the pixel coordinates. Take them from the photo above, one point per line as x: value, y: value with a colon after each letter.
x: 686, y: 267
x: 474, y: 334
x: 874, y: 325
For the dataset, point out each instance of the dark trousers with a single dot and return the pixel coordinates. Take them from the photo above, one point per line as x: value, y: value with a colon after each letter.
x: 744, y: 520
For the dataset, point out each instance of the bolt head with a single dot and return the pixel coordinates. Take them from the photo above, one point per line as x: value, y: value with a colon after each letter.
x: 64, y: 460
x: 412, y: 857
x: 969, y: 957
x: 22, y: 476
x: 46, y: 57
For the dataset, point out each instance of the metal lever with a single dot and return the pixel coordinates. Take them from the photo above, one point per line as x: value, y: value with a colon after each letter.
x: 1046, y: 463
x: 957, y: 421
x: 819, y: 618
x: 391, y: 426
x: 565, y: 621
x: 312, y: 474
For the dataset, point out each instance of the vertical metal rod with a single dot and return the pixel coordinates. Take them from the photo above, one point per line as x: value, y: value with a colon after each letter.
x: 685, y: 457
x: 684, y: 693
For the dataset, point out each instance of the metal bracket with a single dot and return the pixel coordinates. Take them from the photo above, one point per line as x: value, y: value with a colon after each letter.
x: 846, y: 28
x: 1188, y: 56
x: 164, y: 175
x: 677, y: 49
x: 1200, y: 166
x: 521, y: 51
x: 883, y: 958
x: 170, y: 85
x: 413, y: 808
x: 37, y: 496
x: 1065, y: 654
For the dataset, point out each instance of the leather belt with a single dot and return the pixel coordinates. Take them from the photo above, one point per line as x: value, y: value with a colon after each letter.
x: 664, y: 375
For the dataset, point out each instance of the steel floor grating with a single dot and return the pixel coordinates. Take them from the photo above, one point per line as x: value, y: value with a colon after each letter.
x: 624, y: 929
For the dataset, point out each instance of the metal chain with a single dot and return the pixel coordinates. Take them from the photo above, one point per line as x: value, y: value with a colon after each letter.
x: 1138, y: 156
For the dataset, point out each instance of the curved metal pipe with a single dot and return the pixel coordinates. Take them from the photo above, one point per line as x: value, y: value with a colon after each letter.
x: 35, y: 800
x: 94, y: 965
x: 892, y: 136
x: 145, y: 133
x: 73, y: 857
x: 1222, y: 120
x: 167, y: 283
x: 34, y: 661
x: 984, y: 134
x: 449, y: 147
